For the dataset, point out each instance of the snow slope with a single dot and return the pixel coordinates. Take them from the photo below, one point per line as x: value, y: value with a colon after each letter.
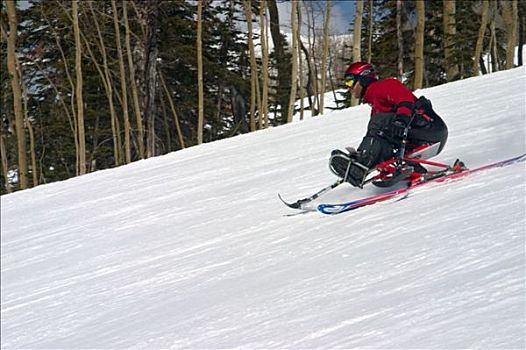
x: 194, y: 249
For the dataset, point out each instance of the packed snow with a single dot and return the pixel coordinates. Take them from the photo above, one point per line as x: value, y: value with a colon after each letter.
x: 194, y: 249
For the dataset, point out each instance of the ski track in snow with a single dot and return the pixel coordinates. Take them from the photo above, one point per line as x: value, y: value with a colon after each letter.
x: 194, y: 250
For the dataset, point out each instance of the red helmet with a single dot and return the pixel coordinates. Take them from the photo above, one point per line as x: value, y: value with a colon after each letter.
x: 363, y: 72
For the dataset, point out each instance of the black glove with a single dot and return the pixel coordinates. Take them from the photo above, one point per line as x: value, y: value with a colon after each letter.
x: 398, y: 126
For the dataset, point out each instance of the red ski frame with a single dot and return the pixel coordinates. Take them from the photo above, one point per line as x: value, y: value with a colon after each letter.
x: 389, y: 167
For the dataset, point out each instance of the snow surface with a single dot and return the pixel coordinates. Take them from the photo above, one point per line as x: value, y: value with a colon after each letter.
x: 194, y: 250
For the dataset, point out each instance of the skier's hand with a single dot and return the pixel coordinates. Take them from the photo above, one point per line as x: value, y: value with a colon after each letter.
x: 398, y: 126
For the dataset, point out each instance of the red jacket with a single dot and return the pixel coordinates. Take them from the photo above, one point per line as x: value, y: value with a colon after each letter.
x: 385, y: 95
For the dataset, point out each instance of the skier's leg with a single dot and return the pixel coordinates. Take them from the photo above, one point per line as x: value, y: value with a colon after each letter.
x: 435, y: 131
x: 373, y: 149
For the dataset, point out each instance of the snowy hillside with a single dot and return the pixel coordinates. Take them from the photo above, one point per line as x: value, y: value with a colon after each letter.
x: 194, y: 249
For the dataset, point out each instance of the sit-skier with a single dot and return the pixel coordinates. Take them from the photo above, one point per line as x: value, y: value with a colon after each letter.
x: 398, y: 120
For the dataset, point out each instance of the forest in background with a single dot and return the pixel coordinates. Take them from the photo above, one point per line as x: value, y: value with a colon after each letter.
x: 90, y: 85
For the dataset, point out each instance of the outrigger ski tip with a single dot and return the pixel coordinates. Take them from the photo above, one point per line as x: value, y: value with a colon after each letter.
x: 301, y: 203
x: 295, y: 205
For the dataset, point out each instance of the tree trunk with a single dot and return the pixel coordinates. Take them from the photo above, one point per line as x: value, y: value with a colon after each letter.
x: 294, y: 75
x: 450, y: 31
x: 17, y: 95
x: 174, y: 112
x: 357, y: 37
x: 5, y: 166
x: 480, y: 38
x: 145, y: 69
x: 399, y: 38
x: 34, y: 169
x: 522, y: 29
x: 3, y: 136
x: 312, y: 83
x: 151, y: 75
x: 133, y: 86
x: 357, y: 32
x: 324, y: 54
x: 166, y: 124
x: 106, y: 78
x: 72, y: 118
x: 78, y: 90
x: 510, y: 15
x: 370, y: 41
x: 300, y: 64
x: 495, y: 66
x: 124, y: 89
x: 263, y: 120
x: 419, y: 45
x: 199, y: 44
x: 282, y: 61
x: 253, y: 66
x: 310, y: 79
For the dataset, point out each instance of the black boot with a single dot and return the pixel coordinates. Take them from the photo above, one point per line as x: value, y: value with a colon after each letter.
x: 372, y: 151
x: 340, y: 161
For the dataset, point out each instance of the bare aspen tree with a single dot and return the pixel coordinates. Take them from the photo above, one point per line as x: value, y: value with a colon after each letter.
x: 521, y: 36
x: 300, y: 62
x: 511, y: 19
x: 259, y: 99
x: 419, y: 45
x: 133, y: 85
x: 310, y: 55
x: 325, y: 53
x: 357, y: 37
x: 495, y: 66
x: 253, y: 66
x: 108, y: 85
x: 294, y: 75
x: 399, y: 39
x: 78, y: 90
x: 450, y: 31
x: 512, y: 42
x: 60, y: 99
x: 124, y: 89
x: 17, y: 95
x: 370, y: 40
x: 91, y: 164
x: 3, y: 132
x: 174, y: 112
x: 5, y: 166
x: 34, y: 169
x: 200, y: 103
x: 166, y: 124
x: 263, y: 120
x: 147, y: 51
x: 3, y: 137
x: 357, y: 32
x: 283, y: 69
x: 72, y: 117
x: 480, y: 38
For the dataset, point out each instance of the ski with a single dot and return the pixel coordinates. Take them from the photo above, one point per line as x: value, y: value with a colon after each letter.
x: 332, y: 209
